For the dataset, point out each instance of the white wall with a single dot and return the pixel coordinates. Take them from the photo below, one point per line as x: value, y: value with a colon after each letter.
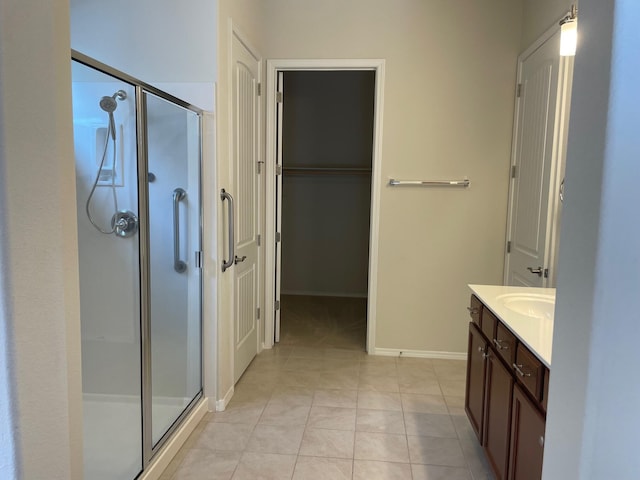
x: 39, y: 240
x: 162, y: 42
x: 449, y: 93
x: 593, y: 425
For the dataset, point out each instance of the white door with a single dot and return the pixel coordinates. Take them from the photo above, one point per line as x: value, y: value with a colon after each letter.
x: 279, y: 110
x: 536, y: 157
x: 245, y: 154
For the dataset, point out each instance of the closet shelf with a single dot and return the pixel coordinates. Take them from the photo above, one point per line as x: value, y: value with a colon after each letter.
x: 326, y: 171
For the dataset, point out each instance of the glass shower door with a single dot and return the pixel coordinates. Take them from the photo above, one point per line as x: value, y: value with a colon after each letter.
x: 104, y: 127
x: 173, y: 152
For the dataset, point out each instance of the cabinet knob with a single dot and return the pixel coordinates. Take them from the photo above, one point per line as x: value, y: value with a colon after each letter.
x: 541, y: 441
x: 473, y: 310
x: 499, y: 344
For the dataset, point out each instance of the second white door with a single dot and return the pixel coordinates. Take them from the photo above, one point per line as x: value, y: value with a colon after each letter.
x: 538, y: 152
x: 246, y: 188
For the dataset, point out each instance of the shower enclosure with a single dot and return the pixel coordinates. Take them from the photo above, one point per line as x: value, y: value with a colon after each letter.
x: 138, y: 157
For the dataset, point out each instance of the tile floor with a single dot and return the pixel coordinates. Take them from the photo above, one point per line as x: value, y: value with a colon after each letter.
x: 319, y: 413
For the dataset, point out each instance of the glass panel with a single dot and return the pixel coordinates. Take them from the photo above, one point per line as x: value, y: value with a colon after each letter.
x: 173, y: 138
x: 104, y: 123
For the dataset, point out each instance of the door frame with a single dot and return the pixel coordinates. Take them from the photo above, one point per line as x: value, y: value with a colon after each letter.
x: 558, y: 156
x: 273, y: 66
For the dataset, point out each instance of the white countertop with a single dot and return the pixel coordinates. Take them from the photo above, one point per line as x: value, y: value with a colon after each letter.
x: 535, y: 333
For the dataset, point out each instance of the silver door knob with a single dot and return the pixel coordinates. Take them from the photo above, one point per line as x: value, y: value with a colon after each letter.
x: 537, y: 271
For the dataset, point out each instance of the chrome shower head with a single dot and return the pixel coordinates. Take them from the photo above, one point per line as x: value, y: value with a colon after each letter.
x: 109, y: 104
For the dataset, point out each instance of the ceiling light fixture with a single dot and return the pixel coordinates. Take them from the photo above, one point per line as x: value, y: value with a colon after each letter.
x: 569, y: 33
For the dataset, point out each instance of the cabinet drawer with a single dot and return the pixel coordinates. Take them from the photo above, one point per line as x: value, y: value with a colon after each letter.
x: 505, y: 343
x: 489, y: 322
x: 529, y: 371
x: 475, y: 310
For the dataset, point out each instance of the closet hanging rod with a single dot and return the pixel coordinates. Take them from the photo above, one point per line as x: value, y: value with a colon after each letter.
x: 327, y: 170
x: 429, y: 183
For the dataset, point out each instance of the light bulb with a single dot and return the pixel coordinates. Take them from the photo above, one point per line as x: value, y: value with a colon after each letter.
x: 568, y: 38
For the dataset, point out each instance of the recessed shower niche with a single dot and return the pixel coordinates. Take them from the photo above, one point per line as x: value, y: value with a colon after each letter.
x: 141, y: 316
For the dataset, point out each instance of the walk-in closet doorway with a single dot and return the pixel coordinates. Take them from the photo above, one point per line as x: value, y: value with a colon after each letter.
x: 323, y: 149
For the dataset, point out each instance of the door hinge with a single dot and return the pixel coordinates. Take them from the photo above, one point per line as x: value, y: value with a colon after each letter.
x: 277, y: 305
x: 278, y: 236
x: 509, y: 246
x: 278, y: 169
x: 198, y: 259
x: 278, y: 97
x: 546, y: 273
x: 519, y: 90
x: 259, y: 239
x: 259, y: 89
x: 259, y: 166
x: 513, y: 171
x: 258, y: 313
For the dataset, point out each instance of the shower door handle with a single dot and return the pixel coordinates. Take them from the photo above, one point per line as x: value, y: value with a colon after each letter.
x: 232, y: 243
x: 178, y: 265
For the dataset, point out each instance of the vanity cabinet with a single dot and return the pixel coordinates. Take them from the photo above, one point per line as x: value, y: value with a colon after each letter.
x: 505, y: 397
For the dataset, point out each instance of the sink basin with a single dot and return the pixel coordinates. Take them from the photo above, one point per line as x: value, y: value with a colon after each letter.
x: 535, y: 305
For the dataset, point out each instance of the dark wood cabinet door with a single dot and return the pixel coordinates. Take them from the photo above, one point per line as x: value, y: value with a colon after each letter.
x: 497, y: 420
x: 527, y: 439
x: 476, y: 367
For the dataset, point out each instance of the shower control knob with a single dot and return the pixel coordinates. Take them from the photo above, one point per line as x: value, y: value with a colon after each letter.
x: 124, y: 223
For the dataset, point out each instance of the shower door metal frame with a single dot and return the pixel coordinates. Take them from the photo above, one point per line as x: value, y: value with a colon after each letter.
x: 141, y: 88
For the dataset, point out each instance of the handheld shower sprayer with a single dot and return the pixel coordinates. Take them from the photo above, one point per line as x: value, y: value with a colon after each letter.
x: 109, y: 105
x: 125, y: 223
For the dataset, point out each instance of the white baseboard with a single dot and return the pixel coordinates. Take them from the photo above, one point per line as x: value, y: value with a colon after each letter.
x: 221, y: 404
x: 324, y: 294
x: 171, y: 448
x: 396, y: 352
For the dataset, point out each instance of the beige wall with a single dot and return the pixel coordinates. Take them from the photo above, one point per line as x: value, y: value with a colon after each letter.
x: 539, y: 16
x: 450, y: 72
x: 38, y: 240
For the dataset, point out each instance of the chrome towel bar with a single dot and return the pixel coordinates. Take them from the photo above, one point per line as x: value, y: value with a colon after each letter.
x: 428, y: 183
